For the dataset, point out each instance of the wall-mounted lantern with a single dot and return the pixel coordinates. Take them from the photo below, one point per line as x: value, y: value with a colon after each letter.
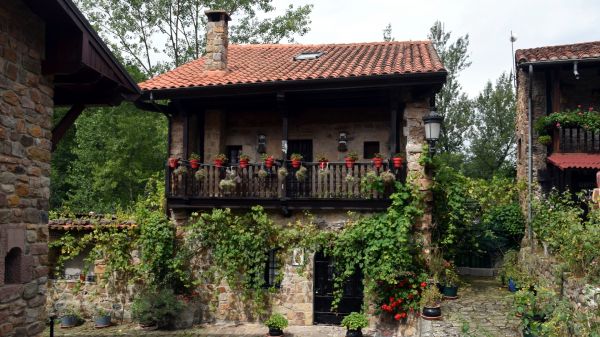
x: 343, y: 142
x: 262, y: 144
x: 433, y: 126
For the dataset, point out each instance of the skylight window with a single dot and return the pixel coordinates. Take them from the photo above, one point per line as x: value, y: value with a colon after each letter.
x: 311, y: 55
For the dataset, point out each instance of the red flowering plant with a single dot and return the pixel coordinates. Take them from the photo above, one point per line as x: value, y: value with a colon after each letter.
x: 589, y: 120
x: 401, y: 298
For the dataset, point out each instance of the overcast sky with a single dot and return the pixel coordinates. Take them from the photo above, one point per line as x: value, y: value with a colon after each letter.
x: 488, y: 23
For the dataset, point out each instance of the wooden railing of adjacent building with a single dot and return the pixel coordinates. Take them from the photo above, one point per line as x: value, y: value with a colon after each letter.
x: 331, y: 183
x: 575, y: 139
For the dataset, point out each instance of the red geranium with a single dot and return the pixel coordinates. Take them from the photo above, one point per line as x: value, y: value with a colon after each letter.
x: 423, y: 284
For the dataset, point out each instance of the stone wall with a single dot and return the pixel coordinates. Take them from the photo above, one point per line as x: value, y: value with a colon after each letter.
x: 25, y: 120
x: 575, y: 289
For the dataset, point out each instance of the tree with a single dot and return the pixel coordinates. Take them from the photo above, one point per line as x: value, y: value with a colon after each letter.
x: 492, y: 139
x: 387, y: 33
x: 156, y: 35
x: 451, y: 102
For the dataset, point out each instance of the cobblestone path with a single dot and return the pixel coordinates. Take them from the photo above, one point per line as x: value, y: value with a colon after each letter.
x: 482, y: 310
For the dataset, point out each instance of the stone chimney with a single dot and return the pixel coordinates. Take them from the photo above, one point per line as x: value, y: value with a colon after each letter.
x: 217, y: 40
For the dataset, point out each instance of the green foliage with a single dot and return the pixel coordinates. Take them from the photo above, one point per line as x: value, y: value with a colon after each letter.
x: 545, y: 139
x: 431, y: 297
x: 560, y: 223
x: 156, y: 35
x: 451, y: 278
x: 156, y: 308
x: 475, y: 215
x: 355, y: 321
x: 589, y: 120
x: 277, y: 321
x: 371, y: 182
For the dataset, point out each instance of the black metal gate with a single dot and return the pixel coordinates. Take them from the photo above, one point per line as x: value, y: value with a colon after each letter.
x: 352, y: 298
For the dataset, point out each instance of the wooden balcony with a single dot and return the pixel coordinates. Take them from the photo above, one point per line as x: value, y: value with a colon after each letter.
x: 575, y: 140
x: 321, y: 189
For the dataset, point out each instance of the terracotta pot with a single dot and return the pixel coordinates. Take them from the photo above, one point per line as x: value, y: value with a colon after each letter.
x: 323, y: 164
x: 194, y: 163
x: 243, y: 163
x: 397, y: 162
x: 173, y: 162
x: 269, y: 162
x: 295, y: 163
x: 218, y: 163
x: 349, y: 163
x: 377, y: 162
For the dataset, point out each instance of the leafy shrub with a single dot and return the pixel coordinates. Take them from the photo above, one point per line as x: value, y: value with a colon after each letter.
x: 277, y: 321
x: 156, y: 307
x: 355, y: 321
x: 431, y: 297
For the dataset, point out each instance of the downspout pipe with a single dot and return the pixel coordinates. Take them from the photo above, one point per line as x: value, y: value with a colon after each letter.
x: 530, y: 156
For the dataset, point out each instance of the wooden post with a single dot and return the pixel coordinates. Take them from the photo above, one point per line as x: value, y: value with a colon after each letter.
x: 58, y: 132
x: 556, y: 90
x: 282, y: 109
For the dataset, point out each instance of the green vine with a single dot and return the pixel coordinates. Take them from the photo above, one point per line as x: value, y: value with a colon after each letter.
x: 589, y: 120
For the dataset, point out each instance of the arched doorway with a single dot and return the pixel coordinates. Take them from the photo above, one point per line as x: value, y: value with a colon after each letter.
x: 352, y: 298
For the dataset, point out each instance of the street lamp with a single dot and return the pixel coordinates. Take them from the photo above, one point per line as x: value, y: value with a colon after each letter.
x: 433, y: 126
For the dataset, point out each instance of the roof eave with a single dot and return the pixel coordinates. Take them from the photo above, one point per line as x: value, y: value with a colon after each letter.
x: 524, y: 64
x: 435, y: 79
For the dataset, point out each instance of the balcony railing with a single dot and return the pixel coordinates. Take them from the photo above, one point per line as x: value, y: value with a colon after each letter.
x: 575, y: 139
x: 256, y: 182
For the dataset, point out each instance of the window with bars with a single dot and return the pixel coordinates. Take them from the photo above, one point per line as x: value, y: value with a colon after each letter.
x: 272, y: 270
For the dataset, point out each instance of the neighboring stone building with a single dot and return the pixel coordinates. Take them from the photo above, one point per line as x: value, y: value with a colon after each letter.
x: 49, y: 56
x: 555, y: 79
x: 315, y: 100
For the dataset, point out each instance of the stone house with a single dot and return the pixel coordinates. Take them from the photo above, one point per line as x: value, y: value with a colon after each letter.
x: 49, y: 56
x: 554, y: 79
x: 315, y: 100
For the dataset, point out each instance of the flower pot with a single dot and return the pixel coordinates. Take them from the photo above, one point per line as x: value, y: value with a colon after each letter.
x: 295, y: 163
x: 397, y: 162
x: 173, y: 162
x: 440, y: 287
x: 323, y: 164
x: 377, y: 162
x: 275, y: 332
x: 218, y: 163
x: 512, y: 286
x: 354, y: 333
x: 102, y: 321
x: 269, y: 162
x: 194, y: 163
x: 349, y: 163
x: 68, y: 321
x: 450, y: 292
x: 243, y: 163
x: 432, y: 313
x: 149, y: 326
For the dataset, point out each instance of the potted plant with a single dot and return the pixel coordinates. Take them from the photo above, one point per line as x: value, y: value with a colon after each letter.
x: 173, y: 162
x: 200, y: 174
x: 180, y: 170
x: 388, y: 178
x: 194, y: 160
x: 354, y: 323
x: 70, y: 318
x: 397, y: 160
x: 282, y: 173
x: 296, y: 160
x: 102, y: 318
x: 276, y: 323
x: 244, y: 160
x: 301, y: 174
x: 350, y: 159
x: 377, y: 160
x: 322, y: 161
x: 430, y: 302
x: 220, y: 159
x: 451, y: 283
x: 268, y: 159
x: 262, y: 174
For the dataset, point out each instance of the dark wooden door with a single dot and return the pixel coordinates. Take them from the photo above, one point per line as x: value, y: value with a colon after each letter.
x: 352, y: 298
x: 295, y: 188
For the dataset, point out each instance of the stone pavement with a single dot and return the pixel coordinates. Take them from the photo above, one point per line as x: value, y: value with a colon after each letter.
x: 482, y: 310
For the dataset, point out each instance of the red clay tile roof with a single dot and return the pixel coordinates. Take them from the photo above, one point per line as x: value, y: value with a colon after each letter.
x: 575, y: 160
x: 576, y: 51
x: 275, y: 62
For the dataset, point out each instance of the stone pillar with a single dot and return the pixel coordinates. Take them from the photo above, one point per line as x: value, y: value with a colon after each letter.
x: 416, y: 173
x: 217, y: 40
x: 26, y: 107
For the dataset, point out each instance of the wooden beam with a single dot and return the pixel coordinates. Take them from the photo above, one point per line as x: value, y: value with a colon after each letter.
x: 65, y: 123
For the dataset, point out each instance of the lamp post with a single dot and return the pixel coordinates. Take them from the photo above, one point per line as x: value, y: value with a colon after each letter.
x: 433, y: 126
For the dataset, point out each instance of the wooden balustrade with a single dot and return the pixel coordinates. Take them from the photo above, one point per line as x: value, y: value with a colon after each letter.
x: 575, y: 139
x: 336, y: 181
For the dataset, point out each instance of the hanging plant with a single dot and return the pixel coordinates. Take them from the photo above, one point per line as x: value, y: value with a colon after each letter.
x: 397, y: 160
x: 322, y: 161
x: 194, y: 160
x: 296, y: 159
x: 350, y: 179
x: 220, y: 160
x: 262, y: 174
x: 180, y: 170
x: 282, y: 172
x: 268, y: 159
x: 377, y: 160
x: 350, y: 159
x: 388, y: 178
x: 201, y: 174
x: 324, y: 173
x: 227, y: 184
x: 589, y: 120
x: 244, y: 160
x: 301, y: 174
